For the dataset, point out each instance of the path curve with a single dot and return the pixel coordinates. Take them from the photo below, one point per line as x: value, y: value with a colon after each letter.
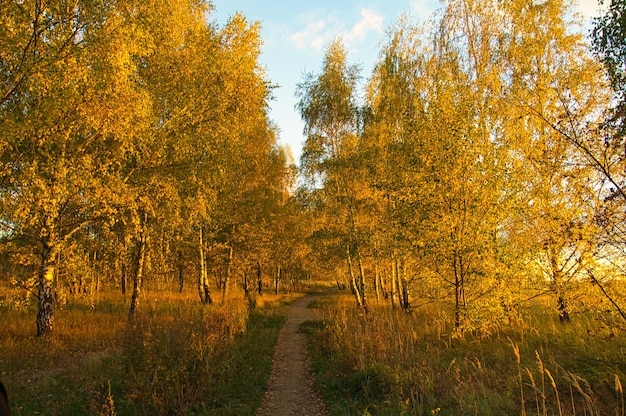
x: 290, y: 387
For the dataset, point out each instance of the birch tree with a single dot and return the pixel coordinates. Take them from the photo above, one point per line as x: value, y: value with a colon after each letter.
x: 67, y: 95
x: 328, y: 106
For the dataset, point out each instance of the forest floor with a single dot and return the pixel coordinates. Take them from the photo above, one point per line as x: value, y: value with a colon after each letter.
x: 290, y: 387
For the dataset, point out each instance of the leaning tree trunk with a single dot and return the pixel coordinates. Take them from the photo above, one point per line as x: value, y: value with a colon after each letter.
x: 203, y: 278
x: 361, y: 283
x: 353, y: 284
x: 45, y: 285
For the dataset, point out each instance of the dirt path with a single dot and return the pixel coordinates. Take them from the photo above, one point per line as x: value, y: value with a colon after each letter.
x: 290, y: 388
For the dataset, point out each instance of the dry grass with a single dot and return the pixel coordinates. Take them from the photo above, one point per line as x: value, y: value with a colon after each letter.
x: 537, y: 366
x: 178, y: 357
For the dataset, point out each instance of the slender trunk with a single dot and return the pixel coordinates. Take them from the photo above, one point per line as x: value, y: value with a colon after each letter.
x: 208, y: 299
x: 404, y: 288
x: 399, y: 288
x: 124, y: 278
x: 138, y: 264
x: 203, y: 274
x: 561, y: 306
x: 95, y: 274
x: 557, y: 286
x: 259, y: 278
x: 45, y: 293
x: 181, y: 271
x: 227, y: 276
x: 394, y: 269
x: 459, y: 289
x: 361, y: 284
x: 93, y: 289
x: 245, y: 284
x: 377, y: 280
x: 277, y: 279
x: 384, y: 283
x: 353, y: 284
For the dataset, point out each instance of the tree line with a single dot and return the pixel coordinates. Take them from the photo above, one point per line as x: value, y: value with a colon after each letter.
x: 480, y: 167
x: 135, y: 141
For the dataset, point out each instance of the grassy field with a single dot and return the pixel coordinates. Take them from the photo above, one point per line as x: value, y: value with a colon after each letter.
x: 391, y: 363
x: 179, y: 357
x: 183, y: 358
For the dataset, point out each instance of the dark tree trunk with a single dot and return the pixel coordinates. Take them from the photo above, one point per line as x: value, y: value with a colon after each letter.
x: 394, y: 271
x: 227, y: 275
x: 181, y: 272
x: 124, y: 278
x: 45, y: 286
x: 561, y: 307
x: 459, y: 289
x: 138, y: 258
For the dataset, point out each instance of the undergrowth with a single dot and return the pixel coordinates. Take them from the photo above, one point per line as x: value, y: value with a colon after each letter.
x: 388, y: 362
x: 179, y: 357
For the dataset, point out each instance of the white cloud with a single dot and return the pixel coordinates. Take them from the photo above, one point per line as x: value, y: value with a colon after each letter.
x: 423, y: 9
x: 312, y: 36
x: 370, y: 20
x: 320, y: 31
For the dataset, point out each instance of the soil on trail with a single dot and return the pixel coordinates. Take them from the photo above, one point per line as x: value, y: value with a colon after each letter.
x: 290, y: 387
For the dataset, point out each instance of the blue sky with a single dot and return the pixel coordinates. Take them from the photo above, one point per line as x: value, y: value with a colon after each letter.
x: 296, y: 32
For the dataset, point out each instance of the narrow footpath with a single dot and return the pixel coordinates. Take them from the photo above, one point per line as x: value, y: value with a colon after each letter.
x: 290, y: 387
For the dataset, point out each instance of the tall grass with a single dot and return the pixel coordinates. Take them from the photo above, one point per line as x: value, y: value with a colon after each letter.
x: 178, y: 357
x: 388, y: 362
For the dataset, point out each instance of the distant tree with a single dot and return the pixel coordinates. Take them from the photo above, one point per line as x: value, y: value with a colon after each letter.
x: 328, y: 106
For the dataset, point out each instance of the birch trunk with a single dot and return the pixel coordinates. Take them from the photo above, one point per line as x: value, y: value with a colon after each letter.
x: 377, y: 280
x: 227, y: 277
x: 406, y: 305
x: 138, y: 265
x: 459, y: 289
x: 394, y: 269
x: 45, y: 292
x: 353, y: 284
x: 202, y: 275
x: 361, y: 285
x: 277, y: 279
